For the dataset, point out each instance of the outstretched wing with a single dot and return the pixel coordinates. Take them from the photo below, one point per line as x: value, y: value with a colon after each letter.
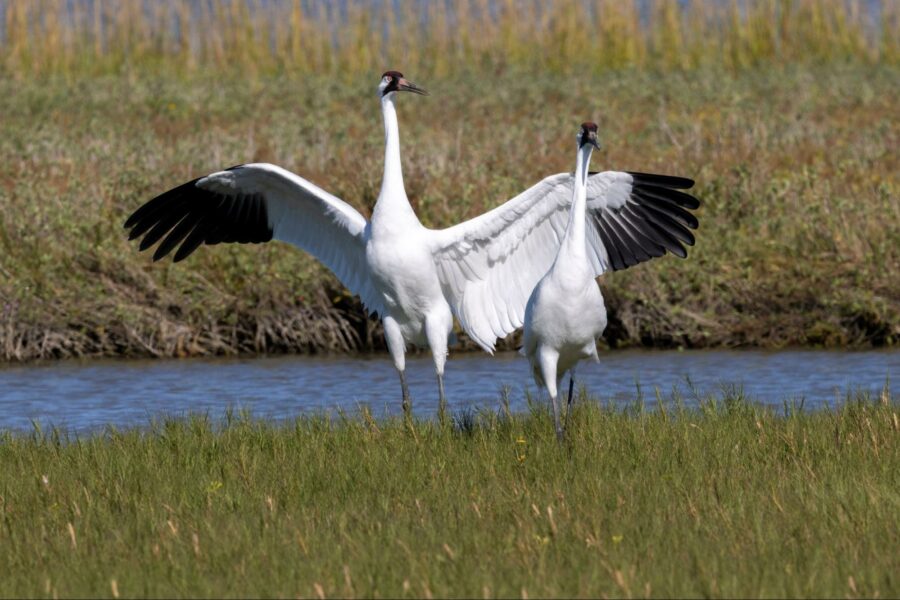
x: 489, y: 265
x: 256, y: 203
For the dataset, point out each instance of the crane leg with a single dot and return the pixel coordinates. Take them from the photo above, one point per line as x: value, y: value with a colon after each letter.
x: 437, y: 328
x: 569, y: 403
x: 442, y: 400
x: 397, y: 347
x: 559, y: 430
x: 548, y: 359
x: 407, y: 403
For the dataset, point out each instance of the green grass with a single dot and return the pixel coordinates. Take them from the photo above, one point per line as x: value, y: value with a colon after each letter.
x: 727, y: 500
x: 799, y: 241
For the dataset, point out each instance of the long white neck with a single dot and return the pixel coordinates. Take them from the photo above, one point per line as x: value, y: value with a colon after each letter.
x: 573, y: 243
x: 392, y: 198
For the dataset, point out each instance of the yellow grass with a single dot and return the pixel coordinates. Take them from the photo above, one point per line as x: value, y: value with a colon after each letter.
x: 251, y: 36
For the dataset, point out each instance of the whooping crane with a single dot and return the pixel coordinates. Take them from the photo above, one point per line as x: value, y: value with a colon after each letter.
x: 481, y: 270
x: 565, y: 313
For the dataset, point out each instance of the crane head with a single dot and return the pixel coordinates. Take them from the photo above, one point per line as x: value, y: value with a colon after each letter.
x: 588, y: 135
x: 393, y: 81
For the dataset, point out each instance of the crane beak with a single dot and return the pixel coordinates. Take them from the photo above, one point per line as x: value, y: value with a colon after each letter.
x: 408, y: 86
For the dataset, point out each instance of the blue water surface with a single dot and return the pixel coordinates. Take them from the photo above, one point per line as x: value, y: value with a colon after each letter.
x: 88, y: 395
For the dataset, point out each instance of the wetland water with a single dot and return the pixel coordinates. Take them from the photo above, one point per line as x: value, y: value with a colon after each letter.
x: 86, y: 396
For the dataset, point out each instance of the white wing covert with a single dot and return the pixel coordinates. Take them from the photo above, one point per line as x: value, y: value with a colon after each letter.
x: 489, y: 265
x: 255, y: 203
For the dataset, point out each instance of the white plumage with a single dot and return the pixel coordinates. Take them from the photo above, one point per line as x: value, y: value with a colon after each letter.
x: 308, y: 217
x: 490, y: 264
x: 482, y: 270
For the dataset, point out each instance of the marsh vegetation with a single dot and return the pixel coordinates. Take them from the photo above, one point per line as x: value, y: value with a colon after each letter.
x: 798, y: 244
x: 730, y: 499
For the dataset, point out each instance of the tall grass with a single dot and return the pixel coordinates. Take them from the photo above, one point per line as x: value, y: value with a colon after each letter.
x: 732, y: 500
x: 442, y: 38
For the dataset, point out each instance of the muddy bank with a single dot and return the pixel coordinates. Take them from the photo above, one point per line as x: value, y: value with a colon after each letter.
x: 342, y: 327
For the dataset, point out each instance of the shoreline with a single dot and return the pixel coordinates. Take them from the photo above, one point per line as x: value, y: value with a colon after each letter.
x: 342, y: 333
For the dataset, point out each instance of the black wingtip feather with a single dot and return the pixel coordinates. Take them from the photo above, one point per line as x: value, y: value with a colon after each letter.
x: 188, y: 216
x: 639, y: 223
x: 194, y: 240
x: 655, y: 220
x: 674, y: 244
x: 162, y: 227
x: 668, y: 195
x: 643, y: 248
x: 177, y: 234
x: 160, y: 202
x: 667, y: 209
x: 660, y: 231
x: 628, y: 249
x: 609, y: 242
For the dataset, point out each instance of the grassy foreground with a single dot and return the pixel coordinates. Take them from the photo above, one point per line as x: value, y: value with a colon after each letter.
x: 727, y: 500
